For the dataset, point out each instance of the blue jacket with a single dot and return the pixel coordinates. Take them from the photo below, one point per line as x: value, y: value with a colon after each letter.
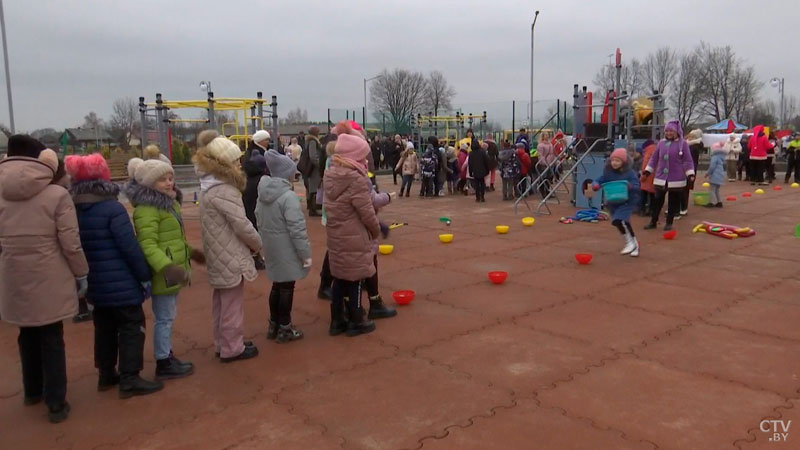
x: 716, y: 168
x: 117, y: 266
x: 621, y: 211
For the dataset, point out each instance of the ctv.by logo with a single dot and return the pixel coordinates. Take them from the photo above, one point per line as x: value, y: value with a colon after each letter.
x: 778, y: 428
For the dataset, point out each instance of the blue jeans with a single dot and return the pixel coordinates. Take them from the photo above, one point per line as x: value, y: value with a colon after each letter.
x: 165, y: 308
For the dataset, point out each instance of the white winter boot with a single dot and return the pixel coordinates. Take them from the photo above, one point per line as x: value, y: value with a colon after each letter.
x: 630, y: 244
x: 635, y: 251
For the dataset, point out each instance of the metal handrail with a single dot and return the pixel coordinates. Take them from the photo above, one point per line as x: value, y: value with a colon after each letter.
x: 564, y: 178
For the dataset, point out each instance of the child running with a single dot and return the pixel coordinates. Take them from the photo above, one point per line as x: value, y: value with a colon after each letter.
x: 618, y: 169
x: 716, y: 174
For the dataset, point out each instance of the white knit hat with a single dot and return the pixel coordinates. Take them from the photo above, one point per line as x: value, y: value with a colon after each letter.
x: 260, y: 135
x: 148, y: 172
x: 224, y: 150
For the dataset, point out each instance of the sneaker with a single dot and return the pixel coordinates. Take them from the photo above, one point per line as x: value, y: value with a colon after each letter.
x: 718, y: 205
x: 136, y: 385
x: 170, y: 368
x: 684, y: 212
x: 288, y: 333
x: 107, y: 380
x: 247, y: 353
x: 59, y: 415
x: 635, y: 251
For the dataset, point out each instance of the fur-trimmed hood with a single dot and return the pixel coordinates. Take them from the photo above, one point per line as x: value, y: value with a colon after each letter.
x: 93, y: 191
x: 142, y: 195
x: 205, y: 164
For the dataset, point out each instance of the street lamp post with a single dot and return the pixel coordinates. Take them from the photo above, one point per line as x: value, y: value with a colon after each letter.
x: 8, y: 71
x: 778, y: 83
x: 365, y: 101
x: 533, y: 25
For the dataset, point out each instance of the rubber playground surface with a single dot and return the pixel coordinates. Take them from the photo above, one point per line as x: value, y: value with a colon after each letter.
x: 690, y: 346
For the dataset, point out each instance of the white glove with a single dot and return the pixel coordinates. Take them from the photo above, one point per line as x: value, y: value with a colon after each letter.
x: 82, y: 285
x: 307, y: 263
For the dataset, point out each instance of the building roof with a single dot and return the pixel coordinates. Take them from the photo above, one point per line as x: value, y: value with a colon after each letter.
x: 87, y: 134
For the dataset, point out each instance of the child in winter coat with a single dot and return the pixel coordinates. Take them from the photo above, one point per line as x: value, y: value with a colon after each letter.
x: 229, y: 241
x: 510, y: 170
x: 160, y: 232
x: 478, y: 170
x: 428, y: 165
x: 647, y: 189
x: 618, y: 169
x: 119, y: 277
x: 463, y: 155
x: 453, y: 172
x: 42, y: 269
x: 282, y: 227
x: 733, y: 149
x: 673, y: 170
x: 409, y: 165
x: 716, y: 174
x: 351, y: 227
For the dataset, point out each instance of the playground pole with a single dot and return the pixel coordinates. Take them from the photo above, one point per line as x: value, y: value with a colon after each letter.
x: 274, y: 105
x: 260, y: 109
x: 143, y: 118
x: 533, y: 25
x: 212, y: 122
x: 8, y: 71
x: 513, y: 120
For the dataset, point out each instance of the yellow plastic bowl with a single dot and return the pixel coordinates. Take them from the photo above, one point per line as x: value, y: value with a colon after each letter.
x: 706, y: 184
x: 446, y: 238
x: 501, y: 229
x: 528, y: 221
x: 759, y: 191
x: 385, y: 249
x: 795, y: 185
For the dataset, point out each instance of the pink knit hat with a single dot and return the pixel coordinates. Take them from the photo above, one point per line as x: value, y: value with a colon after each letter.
x: 87, y: 168
x: 619, y: 153
x: 352, y: 147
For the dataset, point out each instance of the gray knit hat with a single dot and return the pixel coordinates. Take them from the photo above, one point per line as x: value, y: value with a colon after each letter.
x: 280, y: 166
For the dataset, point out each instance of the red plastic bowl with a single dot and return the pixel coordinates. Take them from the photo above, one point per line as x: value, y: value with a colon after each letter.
x: 498, y: 277
x: 583, y: 258
x: 403, y: 297
x: 670, y: 235
x: 731, y: 198
x: 747, y: 194
x: 776, y: 188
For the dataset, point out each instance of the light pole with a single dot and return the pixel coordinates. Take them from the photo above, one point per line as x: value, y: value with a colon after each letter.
x: 8, y: 71
x: 365, y: 100
x: 205, y: 86
x: 533, y: 25
x: 778, y: 83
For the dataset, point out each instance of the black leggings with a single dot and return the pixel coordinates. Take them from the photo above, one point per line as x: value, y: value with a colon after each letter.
x: 44, y: 363
x: 673, y: 205
x: 623, y: 226
x: 371, y: 283
x: 280, y: 302
x: 349, y: 289
x: 325, y: 277
x: 758, y: 166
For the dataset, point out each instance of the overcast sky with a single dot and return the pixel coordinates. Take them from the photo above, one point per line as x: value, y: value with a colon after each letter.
x: 69, y: 57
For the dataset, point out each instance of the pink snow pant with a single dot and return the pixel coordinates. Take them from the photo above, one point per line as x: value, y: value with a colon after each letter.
x: 228, y: 316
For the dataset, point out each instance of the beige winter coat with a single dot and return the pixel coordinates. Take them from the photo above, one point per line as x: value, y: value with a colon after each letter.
x: 229, y: 238
x: 40, y: 248
x: 408, y: 163
x: 733, y: 149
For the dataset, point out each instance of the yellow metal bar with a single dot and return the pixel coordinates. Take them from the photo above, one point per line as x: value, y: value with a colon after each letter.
x: 188, y: 120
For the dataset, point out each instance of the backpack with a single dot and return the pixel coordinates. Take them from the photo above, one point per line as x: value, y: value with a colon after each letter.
x: 304, y: 165
x: 511, y: 168
x: 428, y: 166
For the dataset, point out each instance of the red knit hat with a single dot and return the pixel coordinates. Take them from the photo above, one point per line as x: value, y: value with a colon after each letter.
x: 87, y: 168
x: 619, y: 153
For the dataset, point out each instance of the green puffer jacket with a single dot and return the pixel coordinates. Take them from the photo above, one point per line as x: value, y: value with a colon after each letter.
x: 160, y: 232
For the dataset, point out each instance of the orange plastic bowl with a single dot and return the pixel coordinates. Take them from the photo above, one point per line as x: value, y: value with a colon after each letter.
x: 498, y: 276
x: 403, y: 297
x: 583, y: 258
x: 670, y: 235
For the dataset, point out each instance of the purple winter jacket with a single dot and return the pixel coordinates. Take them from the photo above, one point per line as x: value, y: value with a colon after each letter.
x: 671, y: 164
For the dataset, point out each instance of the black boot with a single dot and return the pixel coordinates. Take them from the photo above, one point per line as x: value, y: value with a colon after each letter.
x: 169, y: 368
x: 311, y: 203
x: 377, y: 310
x: 58, y: 415
x: 286, y: 333
x: 179, y: 362
x: 132, y: 385
x: 358, y: 324
x: 324, y: 292
x: 338, y: 322
x: 249, y: 352
x: 107, y: 380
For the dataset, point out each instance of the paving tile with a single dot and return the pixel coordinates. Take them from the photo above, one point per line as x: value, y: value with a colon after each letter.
x: 766, y: 440
x: 668, y: 299
x: 527, y: 426
x: 758, y: 361
x: 575, y: 280
x: 529, y: 359
x: 671, y: 408
x: 762, y: 316
x: 381, y: 406
x: 501, y: 301
x: 601, y: 323
x: 714, y: 280
x: 423, y: 280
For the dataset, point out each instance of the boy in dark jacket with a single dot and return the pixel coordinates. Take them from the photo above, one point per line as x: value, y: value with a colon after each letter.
x: 119, y: 277
x: 478, y: 169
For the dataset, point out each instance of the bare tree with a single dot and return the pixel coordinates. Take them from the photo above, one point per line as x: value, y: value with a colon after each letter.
x: 124, y: 120
x: 659, y: 69
x: 92, y: 121
x: 438, y: 93
x: 295, y: 116
x: 728, y: 83
x: 685, y: 89
x: 631, y: 78
x: 764, y: 113
x: 399, y: 94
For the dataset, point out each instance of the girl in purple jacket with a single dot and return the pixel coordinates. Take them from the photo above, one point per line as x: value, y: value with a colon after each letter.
x: 673, y: 168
